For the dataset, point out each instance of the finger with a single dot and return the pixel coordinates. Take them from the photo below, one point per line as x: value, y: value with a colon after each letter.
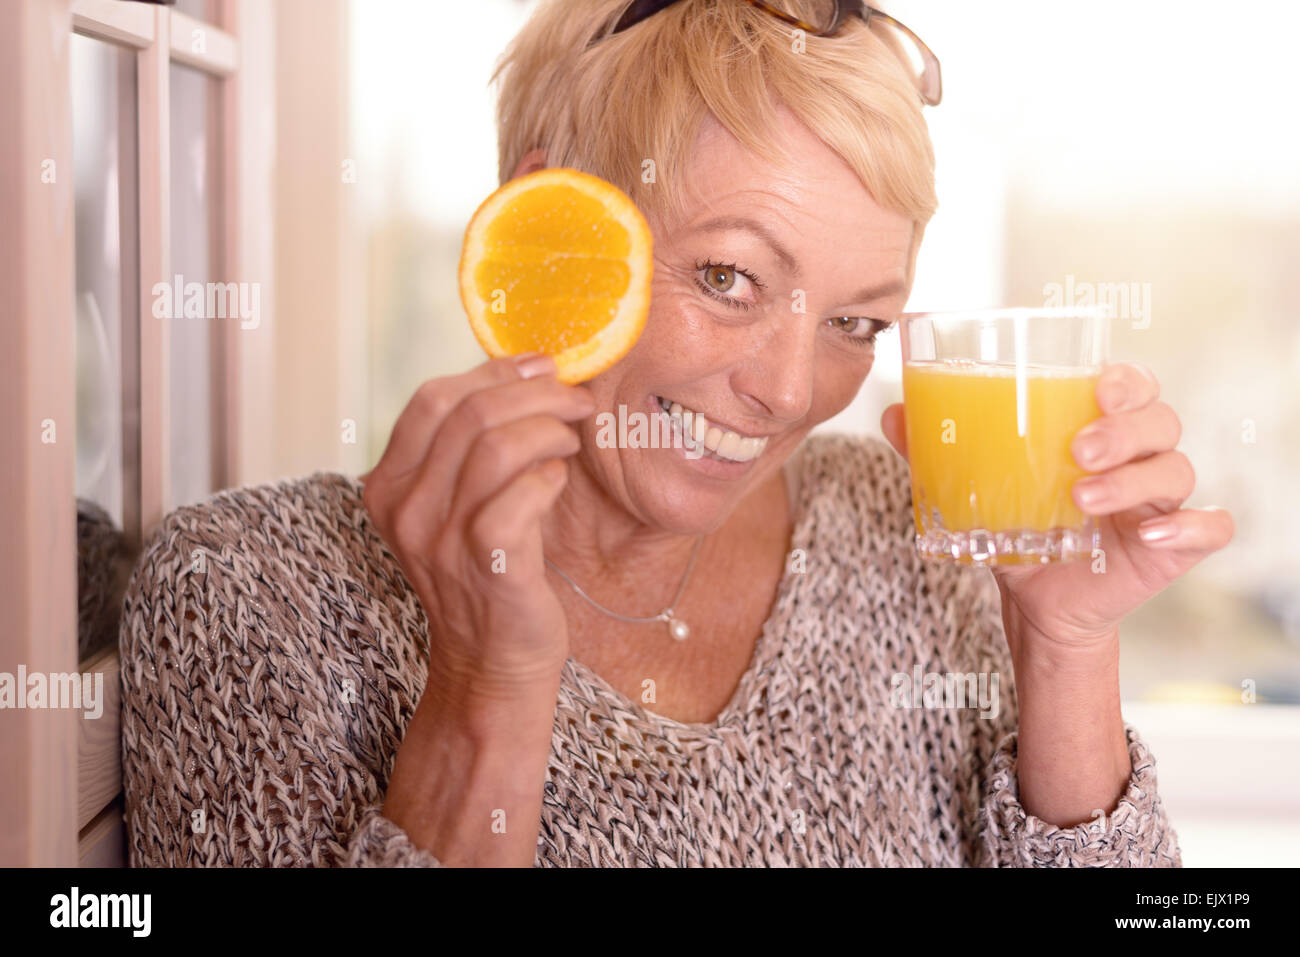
x: 1124, y: 436
x: 510, y: 519
x: 416, y: 427
x: 544, y: 400
x: 894, y: 425
x: 1164, y: 480
x: 1193, y: 529
x: 1125, y: 386
x: 499, y: 455
x: 490, y: 409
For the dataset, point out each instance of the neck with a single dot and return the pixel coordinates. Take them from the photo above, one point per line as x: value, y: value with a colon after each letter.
x: 590, y: 536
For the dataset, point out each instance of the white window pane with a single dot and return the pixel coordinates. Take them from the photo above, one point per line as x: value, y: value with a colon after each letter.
x: 104, y: 173
x: 194, y: 377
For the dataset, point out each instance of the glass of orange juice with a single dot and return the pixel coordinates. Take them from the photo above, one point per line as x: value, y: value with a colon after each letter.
x: 992, y: 400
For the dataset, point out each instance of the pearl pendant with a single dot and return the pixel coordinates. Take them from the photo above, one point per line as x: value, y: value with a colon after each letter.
x: 678, y: 629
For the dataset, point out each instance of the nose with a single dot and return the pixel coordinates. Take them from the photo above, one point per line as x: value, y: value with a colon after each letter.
x: 777, y: 374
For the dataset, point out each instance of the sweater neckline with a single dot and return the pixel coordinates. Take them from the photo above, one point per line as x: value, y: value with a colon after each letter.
x: 731, y: 718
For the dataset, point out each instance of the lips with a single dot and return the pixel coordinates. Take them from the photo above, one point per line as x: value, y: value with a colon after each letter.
x: 698, y: 432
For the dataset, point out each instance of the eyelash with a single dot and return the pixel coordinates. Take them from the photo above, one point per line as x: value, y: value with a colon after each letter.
x: 868, y: 341
x: 727, y: 300
x: 860, y: 341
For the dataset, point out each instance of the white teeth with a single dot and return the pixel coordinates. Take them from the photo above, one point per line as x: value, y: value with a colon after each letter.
x: 697, y: 432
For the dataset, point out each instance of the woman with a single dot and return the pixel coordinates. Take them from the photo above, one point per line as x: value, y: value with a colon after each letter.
x: 510, y: 645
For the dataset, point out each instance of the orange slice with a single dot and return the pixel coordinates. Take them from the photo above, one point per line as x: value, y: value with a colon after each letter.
x: 558, y: 261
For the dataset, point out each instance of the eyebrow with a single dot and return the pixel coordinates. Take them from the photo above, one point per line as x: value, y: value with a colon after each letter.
x: 880, y: 290
x: 722, y: 223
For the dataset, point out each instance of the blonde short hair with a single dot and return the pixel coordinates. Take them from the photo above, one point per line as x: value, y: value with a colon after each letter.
x: 607, y: 107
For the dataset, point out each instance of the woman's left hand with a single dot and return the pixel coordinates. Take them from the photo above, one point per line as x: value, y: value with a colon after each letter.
x: 1137, y: 489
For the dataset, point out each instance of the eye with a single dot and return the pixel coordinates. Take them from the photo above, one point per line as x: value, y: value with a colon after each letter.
x: 862, y: 331
x: 721, y: 278
x: 728, y: 283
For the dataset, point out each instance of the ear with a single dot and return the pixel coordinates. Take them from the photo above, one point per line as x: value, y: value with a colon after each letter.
x: 533, y: 161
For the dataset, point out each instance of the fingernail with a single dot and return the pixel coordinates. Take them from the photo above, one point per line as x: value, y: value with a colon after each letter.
x: 1089, y: 494
x: 1146, y: 373
x: 1157, y: 530
x: 1090, y: 445
x: 533, y: 364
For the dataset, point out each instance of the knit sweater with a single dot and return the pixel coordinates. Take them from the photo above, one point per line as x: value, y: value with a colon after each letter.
x: 273, y: 654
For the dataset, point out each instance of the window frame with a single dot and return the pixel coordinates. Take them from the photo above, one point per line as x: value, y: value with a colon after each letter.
x: 37, y: 364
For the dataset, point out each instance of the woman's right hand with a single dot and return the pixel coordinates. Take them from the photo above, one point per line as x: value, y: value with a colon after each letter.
x: 473, y: 464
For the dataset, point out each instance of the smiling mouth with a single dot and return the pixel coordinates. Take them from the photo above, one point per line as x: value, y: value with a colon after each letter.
x: 698, y: 432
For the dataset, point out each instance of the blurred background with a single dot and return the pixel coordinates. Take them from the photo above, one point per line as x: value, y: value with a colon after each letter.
x: 1112, y: 143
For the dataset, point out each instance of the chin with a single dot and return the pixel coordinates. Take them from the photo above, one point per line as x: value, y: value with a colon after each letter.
x: 685, y: 496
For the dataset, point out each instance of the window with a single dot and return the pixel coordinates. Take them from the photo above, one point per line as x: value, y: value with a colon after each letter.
x: 158, y: 172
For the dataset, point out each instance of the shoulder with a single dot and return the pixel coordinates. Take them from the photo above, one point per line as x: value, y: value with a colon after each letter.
x: 284, y: 566
x: 286, y: 547
x: 272, y: 654
x: 289, y: 574
x: 257, y: 517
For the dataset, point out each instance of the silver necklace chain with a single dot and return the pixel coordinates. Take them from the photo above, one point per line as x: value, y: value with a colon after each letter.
x: 676, y: 627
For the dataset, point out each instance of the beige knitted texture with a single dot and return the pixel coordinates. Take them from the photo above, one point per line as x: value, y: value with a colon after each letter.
x: 269, y: 685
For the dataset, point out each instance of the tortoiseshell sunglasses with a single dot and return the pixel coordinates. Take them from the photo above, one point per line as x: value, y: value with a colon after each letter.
x: 825, y: 17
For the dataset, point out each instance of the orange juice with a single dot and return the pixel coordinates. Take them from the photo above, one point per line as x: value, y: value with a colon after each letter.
x: 990, y: 453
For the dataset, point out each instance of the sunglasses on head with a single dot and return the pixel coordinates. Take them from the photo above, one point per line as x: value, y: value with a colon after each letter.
x: 823, y: 18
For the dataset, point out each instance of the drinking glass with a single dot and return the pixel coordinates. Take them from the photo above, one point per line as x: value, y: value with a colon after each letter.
x: 992, y: 400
